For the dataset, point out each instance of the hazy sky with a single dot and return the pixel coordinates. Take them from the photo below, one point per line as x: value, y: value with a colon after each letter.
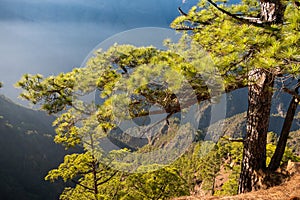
x: 53, y: 36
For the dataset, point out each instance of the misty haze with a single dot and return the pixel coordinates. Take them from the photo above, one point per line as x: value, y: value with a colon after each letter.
x: 49, y: 37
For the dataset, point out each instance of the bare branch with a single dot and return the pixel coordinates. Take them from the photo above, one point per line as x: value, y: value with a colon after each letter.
x: 186, y: 28
x: 293, y: 93
x: 181, y: 12
x: 234, y: 139
x: 248, y: 20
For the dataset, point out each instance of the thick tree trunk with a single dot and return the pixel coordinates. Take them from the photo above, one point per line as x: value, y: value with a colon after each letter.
x: 278, y: 154
x: 259, y: 106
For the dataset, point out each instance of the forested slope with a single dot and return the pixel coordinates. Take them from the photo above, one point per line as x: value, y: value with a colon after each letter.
x: 27, y: 153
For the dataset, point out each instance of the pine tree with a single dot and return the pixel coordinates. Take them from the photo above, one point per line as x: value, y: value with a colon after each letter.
x: 83, y: 124
x: 253, y: 43
x: 210, y: 168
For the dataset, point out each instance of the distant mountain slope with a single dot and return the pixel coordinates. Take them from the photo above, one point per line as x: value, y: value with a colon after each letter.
x: 27, y: 153
x: 294, y: 142
x: 235, y: 127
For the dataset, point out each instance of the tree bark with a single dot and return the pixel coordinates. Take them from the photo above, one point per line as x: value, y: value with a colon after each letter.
x: 278, y: 154
x: 272, y: 11
x: 259, y: 106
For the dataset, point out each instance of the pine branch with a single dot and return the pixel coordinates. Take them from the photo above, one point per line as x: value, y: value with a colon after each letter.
x: 80, y: 184
x: 106, y: 180
x: 186, y: 28
x: 248, y: 20
x: 244, y: 19
x: 245, y: 58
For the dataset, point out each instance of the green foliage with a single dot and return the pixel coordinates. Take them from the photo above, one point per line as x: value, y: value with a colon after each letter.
x: 93, y: 179
x: 84, y: 124
x: 53, y: 93
x: 288, y: 154
x: 232, y: 159
x: 230, y: 187
x: 271, y: 146
x: 237, y: 48
x: 272, y: 138
x: 191, y: 164
x: 203, y: 162
x: 161, y: 184
x: 209, y: 169
x: 72, y: 166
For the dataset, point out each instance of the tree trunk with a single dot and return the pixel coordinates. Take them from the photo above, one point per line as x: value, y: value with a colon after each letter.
x: 94, y: 170
x: 272, y: 11
x: 278, y: 154
x: 259, y: 106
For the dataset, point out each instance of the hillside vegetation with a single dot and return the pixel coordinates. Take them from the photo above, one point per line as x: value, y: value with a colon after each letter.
x: 289, y: 190
x: 28, y: 153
